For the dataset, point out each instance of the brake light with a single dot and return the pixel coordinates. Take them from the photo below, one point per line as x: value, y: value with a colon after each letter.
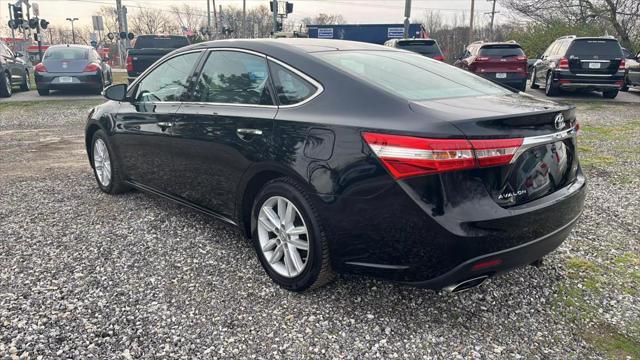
x: 91, y: 68
x: 406, y: 156
x: 40, y: 68
x: 564, y: 63
x: 495, y: 152
x: 622, y: 65
x: 129, y: 64
x: 482, y: 58
x: 486, y: 264
x: 439, y: 57
x: 521, y: 58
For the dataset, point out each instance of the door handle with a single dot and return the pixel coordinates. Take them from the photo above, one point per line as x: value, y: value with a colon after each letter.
x: 249, y: 132
x: 164, y: 124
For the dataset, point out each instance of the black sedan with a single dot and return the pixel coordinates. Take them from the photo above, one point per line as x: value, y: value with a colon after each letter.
x: 337, y: 156
x: 68, y: 67
x: 13, y: 71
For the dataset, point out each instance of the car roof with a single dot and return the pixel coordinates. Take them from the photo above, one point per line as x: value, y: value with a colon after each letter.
x: 75, y: 46
x: 299, y: 45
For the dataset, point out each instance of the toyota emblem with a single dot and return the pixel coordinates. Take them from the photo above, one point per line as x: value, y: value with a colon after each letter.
x: 559, y: 121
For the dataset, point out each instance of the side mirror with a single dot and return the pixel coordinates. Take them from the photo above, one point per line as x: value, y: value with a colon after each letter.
x: 106, y: 58
x: 18, y: 55
x: 117, y: 92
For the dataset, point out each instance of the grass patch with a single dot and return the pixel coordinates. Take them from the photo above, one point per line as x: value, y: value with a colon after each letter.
x: 120, y: 78
x: 36, y: 105
x: 597, y: 160
x: 614, y: 344
x: 580, y: 264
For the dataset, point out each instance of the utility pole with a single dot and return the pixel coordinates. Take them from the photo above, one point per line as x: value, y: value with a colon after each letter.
x: 13, y: 31
x: 127, y: 42
x: 407, y: 15
x: 473, y: 4
x: 120, y: 30
x: 73, y: 31
x: 275, y: 16
x: 215, y: 17
x: 244, y: 18
x: 493, y: 15
x: 209, y: 19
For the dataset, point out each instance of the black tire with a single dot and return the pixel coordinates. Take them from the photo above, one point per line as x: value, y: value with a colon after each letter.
x: 610, y: 94
x: 317, y: 271
x: 551, y: 88
x: 116, y: 184
x: 5, y: 85
x: 43, y: 92
x: 523, y: 86
x: 26, y: 82
x: 98, y: 90
x: 534, y: 85
x: 625, y: 84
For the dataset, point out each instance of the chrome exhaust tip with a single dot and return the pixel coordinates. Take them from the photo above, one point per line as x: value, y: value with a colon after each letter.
x: 466, y: 285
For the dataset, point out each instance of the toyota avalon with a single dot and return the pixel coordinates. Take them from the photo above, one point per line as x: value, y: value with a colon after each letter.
x: 344, y: 157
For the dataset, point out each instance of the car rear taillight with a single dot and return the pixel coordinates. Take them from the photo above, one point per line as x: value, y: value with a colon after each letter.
x: 40, y: 68
x: 622, y: 65
x: 482, y: 58
x: 91, y: 68
x: 406, y: 156
x: 495, y: 152
x: 439, y: 57
x: 563, y: 64
x: 521, y: 58
x: 129, y: 64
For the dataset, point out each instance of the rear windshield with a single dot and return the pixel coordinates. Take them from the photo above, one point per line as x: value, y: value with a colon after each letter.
x: 424, y: 47
x: 501, y: 50
x: 66, y: 54
x: 160, y: 42
x: 411, y: 76
x: 595, y: 47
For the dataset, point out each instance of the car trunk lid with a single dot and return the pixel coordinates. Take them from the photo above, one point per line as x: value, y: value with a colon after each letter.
x: 595, y: 56
x: 545, y: 161
x: 504, y: 58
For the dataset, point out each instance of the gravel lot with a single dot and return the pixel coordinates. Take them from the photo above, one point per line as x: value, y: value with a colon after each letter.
x: 87, y: 275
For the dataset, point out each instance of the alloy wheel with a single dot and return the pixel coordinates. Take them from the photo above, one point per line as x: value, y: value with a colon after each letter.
x: 7, y: 84
x: 102, y: 162
x: 283, y: 236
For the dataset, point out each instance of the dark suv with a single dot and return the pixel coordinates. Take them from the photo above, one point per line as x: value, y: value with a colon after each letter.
x: 503, y: 62
x: 426, y: 47
x: 581, y: 63
x: 13, y: 71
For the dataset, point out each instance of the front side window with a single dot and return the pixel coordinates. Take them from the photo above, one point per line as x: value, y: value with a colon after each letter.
x: 411, y: 76
x: 169, y: 81
x: 232, y: 77
x: 290, y: 87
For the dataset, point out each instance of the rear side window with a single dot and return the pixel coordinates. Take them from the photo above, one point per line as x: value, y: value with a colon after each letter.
x: 424, y: 47
x: 411, y: 76
x: 160, y: 42
x: 66, y: 54
x: 501, y: 51
x: 596, y: 47
x: 290, y: 87
x: 232, y: 77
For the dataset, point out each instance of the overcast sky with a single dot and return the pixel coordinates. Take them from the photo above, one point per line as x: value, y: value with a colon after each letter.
x: 354, y: 11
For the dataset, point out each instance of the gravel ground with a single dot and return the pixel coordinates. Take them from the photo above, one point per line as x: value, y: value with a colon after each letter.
x: 87, y: 275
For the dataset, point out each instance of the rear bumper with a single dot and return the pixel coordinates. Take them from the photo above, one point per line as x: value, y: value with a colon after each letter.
x: 513, y: 79
x: 53, y: 80
x: 569, y: 80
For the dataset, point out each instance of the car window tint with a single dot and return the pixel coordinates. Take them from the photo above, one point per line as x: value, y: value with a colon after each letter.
x: 66, y: 53
x: 595, y: 47
x: 424, y: 47
x: 290, y: 87
x: 169, y: 81
x: 233, y: 77
x: 501, y: 51
x: 411, y: 76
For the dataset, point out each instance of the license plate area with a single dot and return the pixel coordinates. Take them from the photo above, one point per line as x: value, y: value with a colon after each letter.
x: 65, y: 79
x: 501, y: 75
x: 594, y: 65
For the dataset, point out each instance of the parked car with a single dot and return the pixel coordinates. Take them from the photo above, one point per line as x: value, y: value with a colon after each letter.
x: 67, y: 67
x: 426, y: 47
x: 503, y: 62
x: 632, y: 70
x: 147, y: 49
x: 581, y: 63
x: 339, y: 156
x: 13, y: 71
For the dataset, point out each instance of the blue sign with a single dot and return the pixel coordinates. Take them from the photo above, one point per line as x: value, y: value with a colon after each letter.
x: 395, y: 32
x: 325, y: 33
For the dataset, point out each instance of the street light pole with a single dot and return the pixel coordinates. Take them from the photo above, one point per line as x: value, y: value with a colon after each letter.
x: 73, y: 32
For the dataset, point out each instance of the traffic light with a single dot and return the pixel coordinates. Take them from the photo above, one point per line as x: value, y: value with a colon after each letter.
x: 123, y: 35
x: 17, y: 12
x: 33, y: 23
x: 289, y: 7
x: 43, y: 24
x: 130, y: 36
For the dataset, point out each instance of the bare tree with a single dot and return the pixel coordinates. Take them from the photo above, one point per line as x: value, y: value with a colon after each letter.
x: 323, y: 19
x: 148, y: 20
x: 188, y: 16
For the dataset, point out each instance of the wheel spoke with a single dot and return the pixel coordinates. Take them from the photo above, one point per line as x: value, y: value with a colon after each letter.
x: 295, y: 258
x: 272, y: 216
x: 300, y: 230
x: 266, y: 223
x: 282, y: 208
x: 277, y: 254
x: 300, y: 244
x: 289, y: 216
x: 269, y: 245
x: 289, y: 263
